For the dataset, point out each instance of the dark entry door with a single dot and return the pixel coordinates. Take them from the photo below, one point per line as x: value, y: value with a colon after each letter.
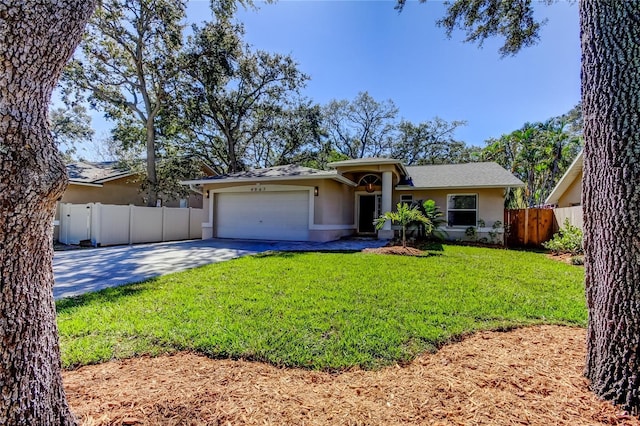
x: 367, y: 214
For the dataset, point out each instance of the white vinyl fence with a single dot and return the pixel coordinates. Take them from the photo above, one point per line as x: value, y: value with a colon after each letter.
x: 106, y: 224
x: 574, y: 214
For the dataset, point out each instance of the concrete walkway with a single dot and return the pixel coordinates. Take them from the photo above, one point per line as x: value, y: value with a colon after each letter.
x: 83, y: 271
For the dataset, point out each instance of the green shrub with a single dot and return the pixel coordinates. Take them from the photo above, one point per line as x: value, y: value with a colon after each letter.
x: 567, y: 240
x: 577, y: 260
x: 431, y: 211
x: 471, y: 233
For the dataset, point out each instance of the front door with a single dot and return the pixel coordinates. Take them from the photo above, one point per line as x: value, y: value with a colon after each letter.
x: 367, y: 214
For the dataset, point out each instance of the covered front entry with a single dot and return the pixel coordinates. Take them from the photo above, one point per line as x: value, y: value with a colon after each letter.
x: 263, y: 215
x: 368, y: 211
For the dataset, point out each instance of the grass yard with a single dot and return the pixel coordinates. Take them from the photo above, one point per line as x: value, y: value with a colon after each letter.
x: 323, y: 310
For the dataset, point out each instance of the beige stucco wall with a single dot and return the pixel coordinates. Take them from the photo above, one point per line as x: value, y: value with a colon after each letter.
x: 490, y: 208
x: 193, y: 200
x: 123, y: 191
x: 573, y: 195
x: 120, y: 191
x: 490, y: 201
x: 333, y: 206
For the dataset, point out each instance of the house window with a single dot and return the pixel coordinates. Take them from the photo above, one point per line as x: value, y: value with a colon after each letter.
x: 183, y: 203
x: 462, y: 209
x: 406, y: 199
x: 369, y: 182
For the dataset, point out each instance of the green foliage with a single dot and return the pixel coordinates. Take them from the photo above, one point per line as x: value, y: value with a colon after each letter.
x: 323, y: 310
x: 318, y: 159
x: 69, y: 127
x: 471, y: 233
x: 577, y: 260
x: 241, y: 105
x: 365, y: 127
x: 362, y: 127
x: 493, y: 234
x: 126, y: 66
x: 404, y: 215
x: 430, y: 142
x: 538, y: 154
x: 567, y: 240
x: 512, y: 20
x: 431, y: 211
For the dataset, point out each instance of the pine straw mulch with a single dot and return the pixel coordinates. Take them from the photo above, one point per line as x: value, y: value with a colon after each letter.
x: 529, y: 376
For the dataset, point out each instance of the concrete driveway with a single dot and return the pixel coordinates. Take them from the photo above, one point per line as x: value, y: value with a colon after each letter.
x: 83, y: 271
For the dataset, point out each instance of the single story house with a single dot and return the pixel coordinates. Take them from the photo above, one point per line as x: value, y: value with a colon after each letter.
x: 568, y: 190
x: 107, y: 183
x: 303, y: 204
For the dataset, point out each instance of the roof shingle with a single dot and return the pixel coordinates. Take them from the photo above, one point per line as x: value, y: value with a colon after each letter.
x: 89, y: 172
x: 289, y: 170
x: 469, y: 175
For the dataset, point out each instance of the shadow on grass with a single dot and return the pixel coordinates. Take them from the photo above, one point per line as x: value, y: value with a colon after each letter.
x: 432, y: 246
x: 283, y: 254
x: 295, y: 253
x: 110, y: 294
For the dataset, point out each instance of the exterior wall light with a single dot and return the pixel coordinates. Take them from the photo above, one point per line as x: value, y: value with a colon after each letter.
x: 315, y: 191
x: 369, y: 187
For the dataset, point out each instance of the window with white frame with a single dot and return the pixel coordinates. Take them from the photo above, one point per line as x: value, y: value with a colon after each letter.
x: 406, y: 199
x: 462, y: 209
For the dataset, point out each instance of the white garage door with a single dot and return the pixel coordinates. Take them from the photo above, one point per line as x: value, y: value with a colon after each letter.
x: 263, y: 215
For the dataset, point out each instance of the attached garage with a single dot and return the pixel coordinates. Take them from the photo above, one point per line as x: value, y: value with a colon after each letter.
x: 290, y: 202
x: 269, y: 215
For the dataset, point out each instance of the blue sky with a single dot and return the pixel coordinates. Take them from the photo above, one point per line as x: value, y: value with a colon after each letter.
x: 352, y: 46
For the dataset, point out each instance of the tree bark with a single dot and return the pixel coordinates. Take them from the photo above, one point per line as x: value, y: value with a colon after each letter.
x: 152, y: 180
x: 610, y: 34
x: 37, y: 37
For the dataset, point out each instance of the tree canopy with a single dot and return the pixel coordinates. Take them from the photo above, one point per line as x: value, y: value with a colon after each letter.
x: 240, y: 106
x: 538, y: 154
x: 125, y: 66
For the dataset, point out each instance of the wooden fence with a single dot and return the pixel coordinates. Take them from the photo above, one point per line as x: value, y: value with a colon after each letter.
x: 528, y: 227
x: 105, y: 224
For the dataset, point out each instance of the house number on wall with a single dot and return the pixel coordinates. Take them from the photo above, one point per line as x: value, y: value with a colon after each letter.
x: 258, y: 189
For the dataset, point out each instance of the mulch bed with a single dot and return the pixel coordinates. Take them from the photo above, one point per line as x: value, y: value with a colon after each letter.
x: 399, y: 250
x: 529, y: 376
x: 563, y: 257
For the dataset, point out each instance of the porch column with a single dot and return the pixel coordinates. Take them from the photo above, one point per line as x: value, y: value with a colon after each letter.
x: 387, y: 187
x: 207, y: 227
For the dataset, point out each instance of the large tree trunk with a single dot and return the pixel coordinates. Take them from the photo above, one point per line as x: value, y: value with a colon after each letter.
x: 37, y: 37
x: 152, y: 179
x: 610, y: 32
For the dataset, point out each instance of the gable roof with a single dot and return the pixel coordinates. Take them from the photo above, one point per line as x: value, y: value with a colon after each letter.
x: 368, y: 162
x: 97, y: 173
x: 468, y: 175
x: 290, y: 171
x: 566, y: 180
x: 84, y: 172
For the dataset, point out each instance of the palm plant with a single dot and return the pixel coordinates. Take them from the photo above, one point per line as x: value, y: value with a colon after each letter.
x: 431, y: 211
x: 404, y: 215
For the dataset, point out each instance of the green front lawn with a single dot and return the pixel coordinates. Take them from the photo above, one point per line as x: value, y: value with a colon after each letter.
x: 323, y: 310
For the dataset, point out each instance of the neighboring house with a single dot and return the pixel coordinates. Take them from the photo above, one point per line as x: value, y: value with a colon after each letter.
x: 303, y: 204
x: 106, y: 183
x: 568, y: 191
